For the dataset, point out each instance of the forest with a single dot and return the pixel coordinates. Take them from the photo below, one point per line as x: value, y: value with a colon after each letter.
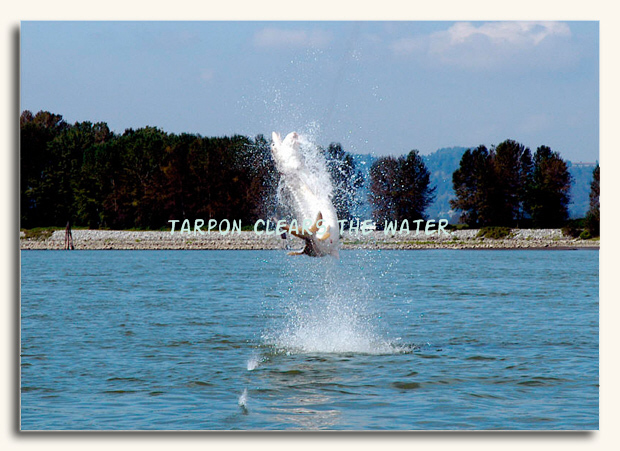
x: 85, y: 174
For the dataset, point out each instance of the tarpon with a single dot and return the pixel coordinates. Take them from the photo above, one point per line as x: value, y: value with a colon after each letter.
x: 317, y: 221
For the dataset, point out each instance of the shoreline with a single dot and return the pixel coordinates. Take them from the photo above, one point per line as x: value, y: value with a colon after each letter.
x: 522, y: 239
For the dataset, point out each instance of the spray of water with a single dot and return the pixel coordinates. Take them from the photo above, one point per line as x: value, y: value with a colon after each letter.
x: 328, y: 308
x: 253, y: 362
x: 243, y: 400
x: 306, y: 168
x: 327, y: 301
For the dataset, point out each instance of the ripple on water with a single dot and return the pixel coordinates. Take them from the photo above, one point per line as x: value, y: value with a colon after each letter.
x: 323, y: 355
x: 407, y: 385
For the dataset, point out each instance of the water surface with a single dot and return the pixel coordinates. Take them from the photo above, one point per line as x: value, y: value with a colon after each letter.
x: 253, y: 340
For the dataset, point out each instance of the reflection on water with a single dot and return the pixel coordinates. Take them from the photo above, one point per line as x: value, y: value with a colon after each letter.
x: 306, y: 418
x: 305, y: 391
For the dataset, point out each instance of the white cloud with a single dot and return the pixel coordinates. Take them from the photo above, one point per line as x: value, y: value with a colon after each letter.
x: 279, y: 38
x: 494, y: 44
x: 507, y: 33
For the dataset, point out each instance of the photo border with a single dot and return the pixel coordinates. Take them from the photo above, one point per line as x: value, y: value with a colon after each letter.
x: 282, y: 10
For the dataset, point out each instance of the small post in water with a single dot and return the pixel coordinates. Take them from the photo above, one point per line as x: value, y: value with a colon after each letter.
x: 68, y: 237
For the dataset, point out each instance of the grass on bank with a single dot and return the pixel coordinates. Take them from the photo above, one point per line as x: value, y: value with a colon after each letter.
x: 40, y: 233
x: 43, y: 233
x: 495, y: 233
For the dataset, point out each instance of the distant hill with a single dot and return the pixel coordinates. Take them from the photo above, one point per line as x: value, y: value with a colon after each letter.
x: 580, y: 188
x: 363, y: 162
x: 443, y: 162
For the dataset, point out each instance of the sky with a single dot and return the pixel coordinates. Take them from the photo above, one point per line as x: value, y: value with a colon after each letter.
x: 375, y: 87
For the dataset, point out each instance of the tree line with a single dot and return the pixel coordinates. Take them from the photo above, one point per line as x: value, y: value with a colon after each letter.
x: 508, y: 186
x: 139, y: 179
x: 504, y: 186
x: 88, y: 175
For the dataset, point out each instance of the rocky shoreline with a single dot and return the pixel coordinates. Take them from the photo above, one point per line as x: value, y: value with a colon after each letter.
x: 151, y: 240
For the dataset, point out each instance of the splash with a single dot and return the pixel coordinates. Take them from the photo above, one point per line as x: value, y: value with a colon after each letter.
x: 243, y: 400
x: 330, y: 326
x: 327, y: 303
x: 253, y: 363
x: 329, y: 308
x: 310, y: 167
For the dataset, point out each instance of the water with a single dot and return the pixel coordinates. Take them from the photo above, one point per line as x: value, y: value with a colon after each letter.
x: 254, y: 340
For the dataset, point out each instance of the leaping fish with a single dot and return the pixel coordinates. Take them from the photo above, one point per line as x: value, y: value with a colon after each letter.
x: 322, y: 237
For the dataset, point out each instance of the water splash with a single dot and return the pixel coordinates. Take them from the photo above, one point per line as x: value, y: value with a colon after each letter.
x: 311, y: 171
x: 243, y: 400
x: 253, y: 363
x: 329, y: 307
x: 327, y: 301
x: 330, y: 327
x: 306, y: 189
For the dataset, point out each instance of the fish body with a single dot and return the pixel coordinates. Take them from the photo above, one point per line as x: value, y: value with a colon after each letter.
x: 315, y: 213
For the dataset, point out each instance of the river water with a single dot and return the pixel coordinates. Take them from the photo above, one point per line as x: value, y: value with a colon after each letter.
x: 258, y: 340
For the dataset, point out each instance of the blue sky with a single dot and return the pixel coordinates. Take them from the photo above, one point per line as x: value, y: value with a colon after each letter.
x: 375, y: 87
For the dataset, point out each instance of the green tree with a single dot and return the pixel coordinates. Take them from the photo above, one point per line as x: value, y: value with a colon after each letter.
x: 492, y: 187
x: 346, y: 179
x: 383, y: 189
x: 92, y: 187
x: 145, y: 177
x: 61, y: 180
x: 593, y: 217
x: 474, y: 185
x: 36, y: 160
x: 415, y: 193
x: 550, y: 188
x: 177, y: 197
x: 263, y: 179
x: 138, y: 181
x: 400, y: 188
x: 229, y: 178
x: 513, y: 170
